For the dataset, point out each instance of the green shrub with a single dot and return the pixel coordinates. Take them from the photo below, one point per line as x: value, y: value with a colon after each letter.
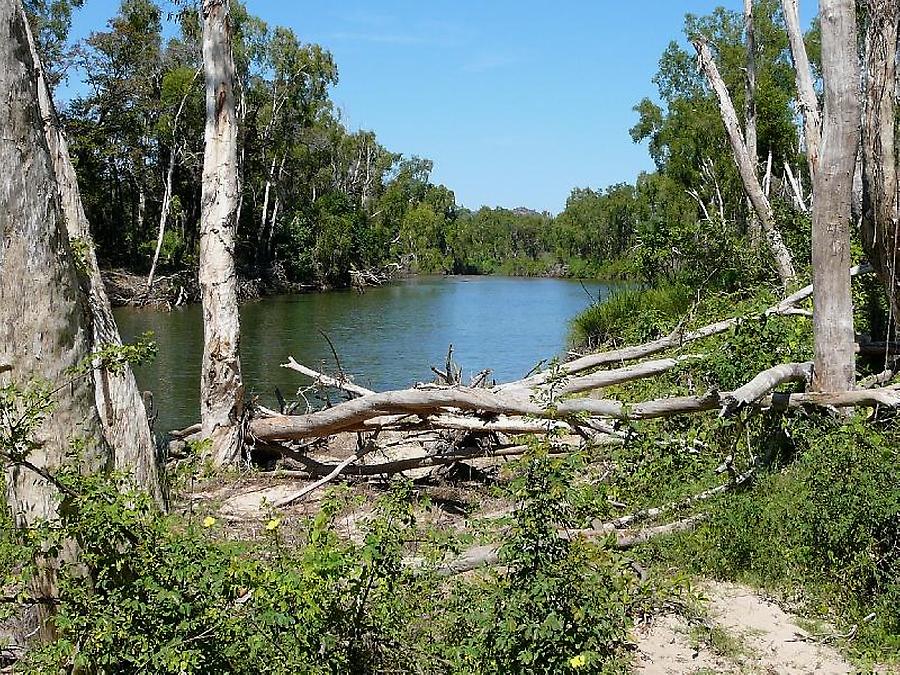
x: 822, y: 524
x: 631, y: 314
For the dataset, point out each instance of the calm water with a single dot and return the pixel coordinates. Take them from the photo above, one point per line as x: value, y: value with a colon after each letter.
x: 386, y: 338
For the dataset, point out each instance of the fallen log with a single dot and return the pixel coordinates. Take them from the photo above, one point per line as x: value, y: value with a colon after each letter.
x: 765, y: 382
x: 677, y: 338
x: 316, y: 468
x: 353, y: 415
x: 489, y: 554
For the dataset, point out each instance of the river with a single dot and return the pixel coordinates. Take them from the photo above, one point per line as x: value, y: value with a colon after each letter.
x: 387, y: 337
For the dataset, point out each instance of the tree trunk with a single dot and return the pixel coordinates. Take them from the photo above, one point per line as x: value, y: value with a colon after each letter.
x: 167, y: 189
x: 832, y: 196
x: 750, y: 84
x: 43, y: 332
x: 745, y: 165
x: 118, y: 400
x: 221, y: 387
x: 750, y: 135
x: 880, y: 184
x: 264, y: 216
x: 163, y: 217
x: 806, y: 93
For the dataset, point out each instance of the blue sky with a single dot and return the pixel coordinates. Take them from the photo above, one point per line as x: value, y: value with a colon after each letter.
x: 516, y: 102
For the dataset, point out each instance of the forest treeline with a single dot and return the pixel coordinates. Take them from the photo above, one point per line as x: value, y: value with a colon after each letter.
x: 318, y: 200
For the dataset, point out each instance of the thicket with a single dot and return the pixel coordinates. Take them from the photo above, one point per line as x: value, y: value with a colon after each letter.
x: 182, y: 594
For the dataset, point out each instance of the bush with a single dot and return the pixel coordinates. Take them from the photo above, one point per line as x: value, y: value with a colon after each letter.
x: 631, y: 314
x: 823, y: 523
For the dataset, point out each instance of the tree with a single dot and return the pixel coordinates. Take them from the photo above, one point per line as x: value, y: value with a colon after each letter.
x: 43, y: 332
x: 881, y: 210
x: 745, y: 161
x: 118, y: 401
x: 832, y: 198
x: 221, y: 386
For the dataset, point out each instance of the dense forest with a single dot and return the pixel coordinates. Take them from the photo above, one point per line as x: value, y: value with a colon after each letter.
x: 317, y: 200
x: 706, y: 482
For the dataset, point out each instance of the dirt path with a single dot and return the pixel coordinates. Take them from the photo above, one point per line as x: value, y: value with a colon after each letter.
x: 744, y: 633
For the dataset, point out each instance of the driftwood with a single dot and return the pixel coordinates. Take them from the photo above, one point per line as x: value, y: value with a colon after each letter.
x: 324, y: 380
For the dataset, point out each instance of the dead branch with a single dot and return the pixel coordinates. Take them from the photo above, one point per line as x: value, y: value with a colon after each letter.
x: 323, y: 380
x: 489, y: 554
x: 746, y: 165
x: 677, y: 338
x: 765, y: 382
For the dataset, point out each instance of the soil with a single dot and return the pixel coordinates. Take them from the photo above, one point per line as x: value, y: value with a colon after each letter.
x: 750, y: 634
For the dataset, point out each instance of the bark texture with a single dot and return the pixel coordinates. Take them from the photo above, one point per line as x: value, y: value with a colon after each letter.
x: 832, y: 196
x: 221, y: 386
x: 44, y: 329
x: 879, y: 128
x: 118, y: 400
x: 746, y: 165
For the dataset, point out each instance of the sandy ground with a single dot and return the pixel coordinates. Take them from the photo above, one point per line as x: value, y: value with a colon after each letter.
x: 754, y: 636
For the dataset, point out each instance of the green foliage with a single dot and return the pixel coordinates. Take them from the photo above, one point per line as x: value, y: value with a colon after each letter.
x: 560, y: 606
x: 169, y: 596
x: 821, y: 524
x: 632, y: 315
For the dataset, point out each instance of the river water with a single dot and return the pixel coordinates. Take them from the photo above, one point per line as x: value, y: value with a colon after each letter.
x: 387, y: 337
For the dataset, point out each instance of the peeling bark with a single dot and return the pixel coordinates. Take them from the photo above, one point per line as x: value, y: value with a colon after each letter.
x: 118, y: 400
x: 881, y: 209
x: 43, y: 317
x: 221, y: 386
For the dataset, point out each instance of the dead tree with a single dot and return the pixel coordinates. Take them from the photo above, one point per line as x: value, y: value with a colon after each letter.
x: 832, y: 197
x: 118, y: 400
x: 221, y: 385
x: 43, y: 328
x: 806, y: 93
x: 880, y: 185
x: 745, y: 164
x: 750, y: 133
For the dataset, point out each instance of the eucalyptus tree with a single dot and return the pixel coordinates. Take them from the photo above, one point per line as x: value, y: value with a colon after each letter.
x: 118, y: 401
x: 221, y: 385
x: 43, y: 330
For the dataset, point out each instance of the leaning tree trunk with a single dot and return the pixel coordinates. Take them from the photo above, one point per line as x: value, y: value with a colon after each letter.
x: 221, y: 387
x: 832, y: 197
x: 118, y: 400
x: 880, y: 184
x: 750, y: 133
x: 745, y: 164
x: 806, y: 93
x: 43, y: 331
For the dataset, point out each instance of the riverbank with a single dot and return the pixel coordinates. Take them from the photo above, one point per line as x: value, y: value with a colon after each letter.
x: 126, y: 288
x: 129, y: 289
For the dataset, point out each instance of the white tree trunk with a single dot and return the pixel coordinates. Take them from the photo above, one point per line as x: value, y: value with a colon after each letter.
x: 745, y: 165
x: 832, y: 195
x: 806, y: 93
x: 167, y: 189
x: 221, y: 386
x: 43, y: 327
x: 118, y: 400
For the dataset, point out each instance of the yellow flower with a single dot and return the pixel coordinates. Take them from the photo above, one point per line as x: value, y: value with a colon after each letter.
x: 578, y: 661
x: 209, y: 521
x: 273, y: 524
